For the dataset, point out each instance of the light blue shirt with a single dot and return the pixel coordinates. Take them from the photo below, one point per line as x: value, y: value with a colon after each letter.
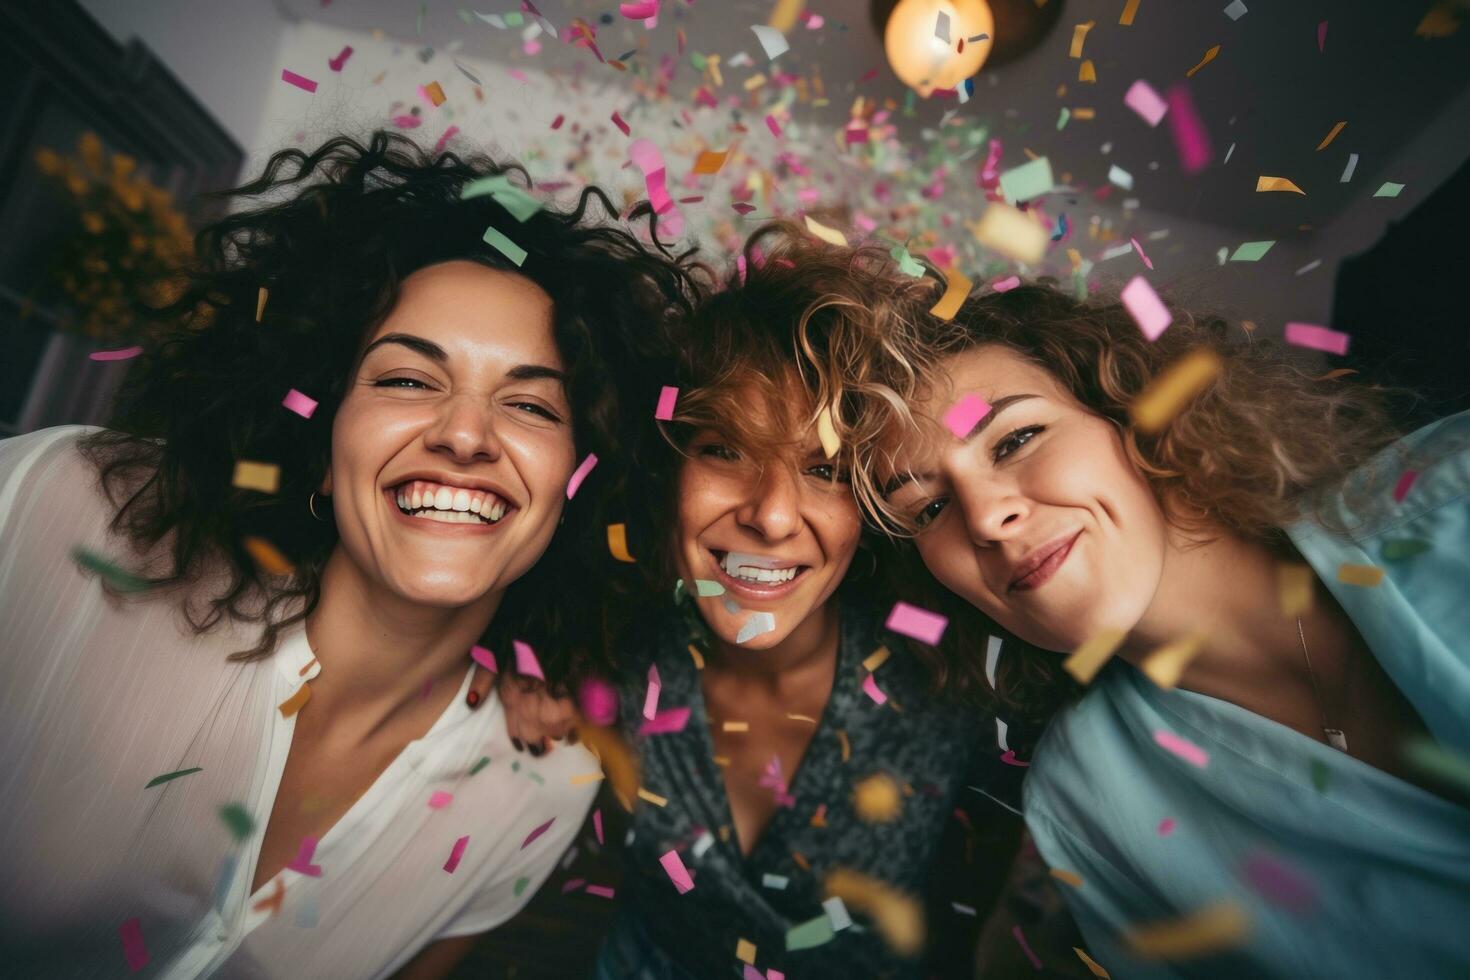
x: 1368, y: 875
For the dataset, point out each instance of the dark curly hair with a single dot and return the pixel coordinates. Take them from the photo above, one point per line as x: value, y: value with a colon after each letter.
x: 331, y: 234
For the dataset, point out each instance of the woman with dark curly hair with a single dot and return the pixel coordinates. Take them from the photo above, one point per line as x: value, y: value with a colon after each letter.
x: 334, y: 482
x: 1264, y: 585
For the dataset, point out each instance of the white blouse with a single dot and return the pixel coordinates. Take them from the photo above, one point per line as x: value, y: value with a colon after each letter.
x: 98, y: 697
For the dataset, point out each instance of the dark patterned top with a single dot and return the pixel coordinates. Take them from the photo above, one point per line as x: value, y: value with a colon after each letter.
x: 930, y: 748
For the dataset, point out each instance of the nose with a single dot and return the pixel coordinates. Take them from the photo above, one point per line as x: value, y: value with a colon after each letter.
x: 772, y: 508
x: 465, y: 429
x: 994, y: 509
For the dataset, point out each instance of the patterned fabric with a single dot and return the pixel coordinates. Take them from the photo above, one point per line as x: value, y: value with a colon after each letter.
x: 931, y: 749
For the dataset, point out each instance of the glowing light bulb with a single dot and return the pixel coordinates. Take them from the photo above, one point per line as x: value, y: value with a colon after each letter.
x: 928, y: 51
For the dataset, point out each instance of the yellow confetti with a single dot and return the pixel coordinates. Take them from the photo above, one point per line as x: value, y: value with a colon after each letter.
x: 264, y: 294
x: 1277, y: 184
x: 846, y: 746
x: 581, y: 779
x: 1070, y: 877
x: 721, y: 760
x: 653, y: 798
x: 617, y: 542
x: 899, y: 918
x: 876, y: 659
x: 1294, y: 588
x: 1012, y: 233
x: 1083, y: 112
x: 955, y: 293
x: 1086, y: 73
x: 617, y: 760
x: 250, y: 475
x: 1167, y: 395
x: 827, y: 434
x: 296, y: 701
x: 1209, y: 57
x: 876, y: 798
x: 710, y: 161
x: 698, y: 657
x: 1130, y: 10
x: 1079, y: 34
x: 268, y: 556
x: 745, y: 951
x: 1096, y: 650
x: 754, y: 82
x: 1441, y: 20
x: 1364, y: 575
x: 736, y: 726
x: 806, y: 718
x: 784, y: 14
x: 1165, y: 665
x: 1092, y: 964
x: 1331, y: 135
x: 830, y: 235
x: 1210, y: 930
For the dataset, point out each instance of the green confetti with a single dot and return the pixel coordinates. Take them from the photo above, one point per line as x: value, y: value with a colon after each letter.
x: 1066, y: 114
x: 466, y: 16
x: 505, y: 246
x: 811, y: 933
x: 708, y: 587
x: 697, y: 61
x: 515, y: 765
x: 1404, y: 548
x: 1251, y: 251
x: 514, y: 20
x: 484, y: 761
x: 1436, y: 761
x: 239, y: 822
x: 536, y: 776
x: 906, y: 263
x: 117, y: 578
x: 1027, y: 181
x: 521, y: 884
x: 419, y: 30
x: 520, y: 204
x: 1389, y: 189
x: 156, y: 780
x: 678, y: 589
x: 1319, y: 776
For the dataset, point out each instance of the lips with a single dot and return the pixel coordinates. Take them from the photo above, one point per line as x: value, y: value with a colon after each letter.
x: 1038, y: 567
x: 774, y: 569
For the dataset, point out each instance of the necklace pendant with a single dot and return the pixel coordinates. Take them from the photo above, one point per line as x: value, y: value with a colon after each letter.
x: 1336, y: 738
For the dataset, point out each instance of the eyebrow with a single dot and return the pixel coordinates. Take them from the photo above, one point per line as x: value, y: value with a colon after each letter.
x: 996, y: 407
x: 431, y: 350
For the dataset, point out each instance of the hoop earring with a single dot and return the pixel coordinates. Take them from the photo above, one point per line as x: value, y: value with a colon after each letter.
x: 311, y: 506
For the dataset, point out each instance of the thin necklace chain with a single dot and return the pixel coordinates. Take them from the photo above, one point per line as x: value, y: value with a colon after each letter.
x: 1335, y: 736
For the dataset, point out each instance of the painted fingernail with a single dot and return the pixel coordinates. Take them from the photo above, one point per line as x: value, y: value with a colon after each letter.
x: 519, y: 747
x: 473, y: 698
x: 572, y: 736
x: 535, y: 750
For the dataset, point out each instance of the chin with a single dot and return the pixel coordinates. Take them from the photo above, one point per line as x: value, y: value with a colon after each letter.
x: 442, y: 593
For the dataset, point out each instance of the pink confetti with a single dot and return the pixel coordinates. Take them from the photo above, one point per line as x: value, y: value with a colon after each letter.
x: 1321, y: 36
x: 750, y: 973
x: 301, y: 863
x: 407, y: 121
x: 1405, y: 482
x: 773, y: 126
x: 526, y: 663
x: 918, y: 623
x: 439, y: 799
x: 572, y: 884
x: 456, y: 853
x: 1317, y: 338
x: 597, y: 824
x: 121, y: 354
x: 639, y: 11
x: 300, y: 81
x: 1139, y: 249
x: 601, y: 891
x: 666, y: 401
x: 598, y: 700
x: 518, y: 75
x: 1006, y: 285
x: 1183, y: 748
x: 742, y: 208
x: 1142, y: 99
x: 443, y: 141
x: 618, y: 122
x: 483, y: 657
x: 678, y: 874
x: 537, y: 833
x: 646, y: 156
x: 1166, y: 826
x: 1010, y: 759
x: 1279, y: 883
x: 1191, y: 139
x: 581, y: 474
x: 556, y: 123
x: 299, y: 403
x: 1144, y: 305
x: 666, y: 721
x: 134, y: 951
x: 870, y: 688
x: 336, y: 63
x: 1025, y: 947
x: 965, y: 414
x: 650, y: 699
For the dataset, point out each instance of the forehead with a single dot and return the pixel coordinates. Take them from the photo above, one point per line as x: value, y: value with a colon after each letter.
x: 992, y: 372
x: 464, y: 306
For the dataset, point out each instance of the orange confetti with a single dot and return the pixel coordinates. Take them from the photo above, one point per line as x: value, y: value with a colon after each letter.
x: 1331, y: 135
x: 1086, y: 73
x: 1209, y: 57
x: 617, y: 542
x: 296, y: 701
x: 710, y: 161
x: 1130, y: 10
x: 435, y: 92
x: 268, y: 557
x: 1277, y: 184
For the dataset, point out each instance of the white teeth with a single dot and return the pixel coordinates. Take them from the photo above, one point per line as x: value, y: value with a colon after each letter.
x: 461, y: 500
x: 443, y: 498
x: 418, y: 498
x: 447, y: 517
x: 497, y: 511
x: 744, y: 567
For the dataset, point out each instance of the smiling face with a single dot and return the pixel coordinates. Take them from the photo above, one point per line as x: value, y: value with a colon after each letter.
x: 1039, y: 519
x: 452, y: 449
x: 777, y: 535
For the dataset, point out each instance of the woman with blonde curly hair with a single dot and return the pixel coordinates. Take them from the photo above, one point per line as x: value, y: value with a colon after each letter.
x: 1264, y: 587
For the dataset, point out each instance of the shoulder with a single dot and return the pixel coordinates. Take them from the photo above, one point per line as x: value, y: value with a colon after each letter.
x: 1072, y: 758
x: 45, y: 470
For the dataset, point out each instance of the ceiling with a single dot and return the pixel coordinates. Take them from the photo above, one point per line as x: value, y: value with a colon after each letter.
x: 1270, y: 91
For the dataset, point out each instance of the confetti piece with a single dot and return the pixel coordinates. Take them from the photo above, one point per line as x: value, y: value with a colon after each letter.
x: 646, y: 156
x: 1130, y: 10
x: 1347, y: 172
x: 301, y: 863
x: 1432, y: 759
x: 267, y: 556
x: 706, y: 588
x: 250, y: 475
x: 1209, y: 57
x: 899, y: 918
x: 515, y: 200
x: 121, y: 354
x: 537, y: 833
x: 1404, y: 548
x: 1088, y: 961
x: 666, y: 722
x: 876, y: 799
x: 1012, y: 233
x: 639, y: 11
x: 497, y: 240
x: 696, y: 656
x: 1095, y: 651
x: 457, y: 852
x: 1321, y: 36
x: 870, y: 688
x: 1166, y: 665
x: 757, y: 624
x: 434, y: 92
x: 617, y: 120
x: 956, y: 290
x: 484, y: 761
x: 1264, y: 184
x: 1142, y: 99
x: 772, y: 40
x: 1167, y: 394
x: 837, y: 913
x: 1006, y: 285
x: 1332, y: 135
x: 674, y: 867
x: 992, y: 658
x: 965, y: 414
x: 114, y: 576
x: 1147, y: 310
x: 1079, y: 35
x: 1366, y: 576
x: 1025, y: 947
x: 1087, y: 72
x: 1406, y: 481
x: 1309, y: 267
x: 483, y: 657
x: 135, y: 952
x: 922, y: 625
x: 1070, y: 877
x: 526, y: 663
x: 166, y: 777
x: 1279, y: 883
x: 745, y: 951
x: 846, y: 745
x: 237, y: 819
x: 1209, y: 930
x: 439, y: 799
x: 650, y: 697
x: 1389, y: 189
x: 1294, y: 583
x: 1317, y: 338
x: 668, y: 396
x: 1122, y: 178
x: 1183, y: 748
x: 1166, y: 826
x: 827, y: 433
x: 830, y: 235
x: 617, y: 542
x: 582, y: 779
x: 601, y: 891
x: 1251, y: 251
x: 336, y: 63
x: 809, y: 934
x: 299, y: 403
x: 1029, y: 180
x: 300, y: 81
x: 1141, y: 254
x: 296, y: 701
x: 776, y: 882
x: 775, y: 129
x: 581, y: 474
x: 1236, y: 10
x: 735, y: 726
x: 1009, y: 758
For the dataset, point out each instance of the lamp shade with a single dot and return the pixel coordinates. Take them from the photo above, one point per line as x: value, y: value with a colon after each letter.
x: 917, y: 48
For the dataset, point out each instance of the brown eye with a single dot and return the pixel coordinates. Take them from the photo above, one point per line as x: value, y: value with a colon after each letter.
x: 1013, y: 441
x: 931, y: 510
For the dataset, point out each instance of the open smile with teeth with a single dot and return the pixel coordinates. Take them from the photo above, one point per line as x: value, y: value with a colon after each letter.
x: 449, y: 505
x: 756, y: 569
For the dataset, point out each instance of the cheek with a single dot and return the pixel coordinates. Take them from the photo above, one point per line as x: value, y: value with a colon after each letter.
x: 950, y: 559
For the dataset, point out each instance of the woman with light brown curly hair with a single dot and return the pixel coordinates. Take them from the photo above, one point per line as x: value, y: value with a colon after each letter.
x: 1264, y: 587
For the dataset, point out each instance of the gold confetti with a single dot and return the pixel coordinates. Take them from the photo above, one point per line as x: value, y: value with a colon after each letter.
x: 1167, y: 395
x: 710, y: 161
x: 801, y: 860
x: 1070, y: 877
x: 784, y: 14
x: 876, y: 659
x: 1012, y: 233
x: 827, y: 434
x: 583, y: 778
x: 1083, y: 112
x: 1165, y: 665
x: 617, y: 542
x: 846, y: 746
x: 830, y: 235
x: 1096, y: 650
x: 1209, y: 57
x: 899, y: 918
x: 754, y: 82
x: 736, y: 726
x: 806, y: 718
x: 1294, y: 588
x: 745, y: 951
x: 1092, y: 964
x: 435, y: 92
x: 1364, y: 575
x: 653, y: 798
x: 268, y: 556
x: 1130, y: 10
x: 260, y: 299
x: 617, y: 760
x: 876, y: 798
x: 721, y: 760
x: 296, y: 701
x: 1086, y: 73
x: 1277, y: 184
x: 1331, y: 135
x: 956, y: 290
x: 698, y: 657
x: 250, y: 475
x: 1079, y: 34
x: 1209, y: 930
